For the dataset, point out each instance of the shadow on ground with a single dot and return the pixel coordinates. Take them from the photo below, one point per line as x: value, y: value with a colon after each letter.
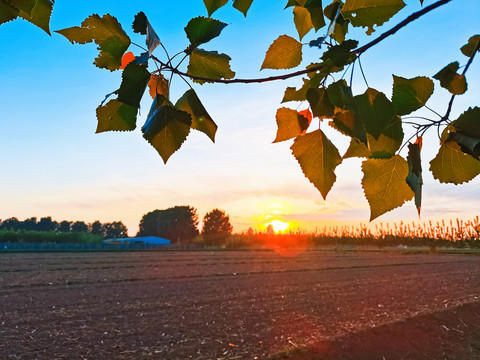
x: 449, y: 334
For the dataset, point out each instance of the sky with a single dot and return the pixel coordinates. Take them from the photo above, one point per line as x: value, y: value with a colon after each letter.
x: 53, y: 163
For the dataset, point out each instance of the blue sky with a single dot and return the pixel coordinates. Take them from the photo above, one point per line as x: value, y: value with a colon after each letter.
x: 54, y: 164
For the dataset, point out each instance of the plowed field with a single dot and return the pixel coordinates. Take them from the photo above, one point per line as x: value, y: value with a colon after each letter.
x: 239, y: 305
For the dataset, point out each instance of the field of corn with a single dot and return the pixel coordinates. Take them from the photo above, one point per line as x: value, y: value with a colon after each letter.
x: 453, y: 233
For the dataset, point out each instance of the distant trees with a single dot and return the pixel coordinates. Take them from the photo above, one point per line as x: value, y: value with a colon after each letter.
x: 148, y: 224
x: 114, y: 229
x: 64, y: 226
x: 178, y: 224
x: 216, y: 227
x: 10, y: 224
x: 96, y: 228
x: 46, y: 224
x: 79, y: 226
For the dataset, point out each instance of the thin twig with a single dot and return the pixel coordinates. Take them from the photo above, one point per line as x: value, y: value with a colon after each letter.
x: 360, y: 50
x: 402, y: 24
x: 363, y: 74
x: 450, y: 103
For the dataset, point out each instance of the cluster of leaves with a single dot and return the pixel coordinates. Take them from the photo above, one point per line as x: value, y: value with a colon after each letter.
x: 372, y: 120
x: 167, y: 124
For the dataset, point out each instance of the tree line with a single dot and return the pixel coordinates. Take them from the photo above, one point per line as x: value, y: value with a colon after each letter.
x: 47, y: 224
x: 179, y: 224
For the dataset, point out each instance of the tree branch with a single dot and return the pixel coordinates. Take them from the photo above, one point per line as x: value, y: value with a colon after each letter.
x: 359, y: 50
x: 450, y: 103
x: 243, y: 81
x: 400, y: 25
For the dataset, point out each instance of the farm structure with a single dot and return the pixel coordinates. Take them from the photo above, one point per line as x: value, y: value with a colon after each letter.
x: 148, y: 240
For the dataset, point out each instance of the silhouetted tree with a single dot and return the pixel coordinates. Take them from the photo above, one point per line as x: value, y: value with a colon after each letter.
x: 64, y: 226
x: 178, y: 224
x: 216, y: 227
x: 47, y: 224
x: 80, y: 227
x: 10, y: 224
x: 148, y: 224
x: 29, y: 224
x: 115, y: 229
x: 96, y: 228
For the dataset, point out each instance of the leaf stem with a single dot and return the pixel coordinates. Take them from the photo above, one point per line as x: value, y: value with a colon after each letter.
x: 450, y: 103
x: 400, y: 25
x: 359, y: 50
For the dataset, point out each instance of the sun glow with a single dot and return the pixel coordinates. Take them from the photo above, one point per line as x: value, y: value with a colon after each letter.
x: 278, y: 225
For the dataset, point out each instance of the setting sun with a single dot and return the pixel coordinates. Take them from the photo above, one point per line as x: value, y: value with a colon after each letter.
x: 278, y: 225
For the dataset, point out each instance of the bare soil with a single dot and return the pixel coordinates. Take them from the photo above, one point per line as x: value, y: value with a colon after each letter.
x: 239, y: 305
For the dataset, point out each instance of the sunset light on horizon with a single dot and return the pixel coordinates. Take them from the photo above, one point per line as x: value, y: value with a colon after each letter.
x: 55, y: 165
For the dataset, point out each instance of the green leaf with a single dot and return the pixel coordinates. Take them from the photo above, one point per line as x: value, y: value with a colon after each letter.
x: 284, y: 53
x: 134, y: 82
x: 414, y: 178
x: 26, y: 6
x: 348, y: 123
x: 157, y: 103
x: 469, y: 145
x: 242, y: 5
x: 340, y: 95
x: 341, y: 55
x: 294, y: 3
x: 450, y: 80
x: 209, y: 64
x: 213, y: 5
x: 367, y: 13
x: 465, y: 131
x: 166, y: 130
x: 375, y: 111
x: 140, y: 23
x: 345, y: 118
x: 452, y: 165
x: 11, y: 9
x: 201, y: 120
x: 107, y: 33
x: 7, y: 12
x: 201, y: 30
x: 318, y: 158
x: 39, y: 15
x: 357, y: 149
x: 384, y: 184
x: 116, y: 116
x: 468, y: 123
x: 472, y: 46
x: 142, y: 26
x: 292, y: 94
x: 389, y: 141
x: 320, y: 103
x: 290, y: 124
x: 302, y: 20
x: 315, y: 8
x: 411, y: 94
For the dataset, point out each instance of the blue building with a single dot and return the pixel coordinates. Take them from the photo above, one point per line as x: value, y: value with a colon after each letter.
x: 150, y: 240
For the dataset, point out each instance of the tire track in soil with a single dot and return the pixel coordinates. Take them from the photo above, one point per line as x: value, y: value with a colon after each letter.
x: 202, y: 314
